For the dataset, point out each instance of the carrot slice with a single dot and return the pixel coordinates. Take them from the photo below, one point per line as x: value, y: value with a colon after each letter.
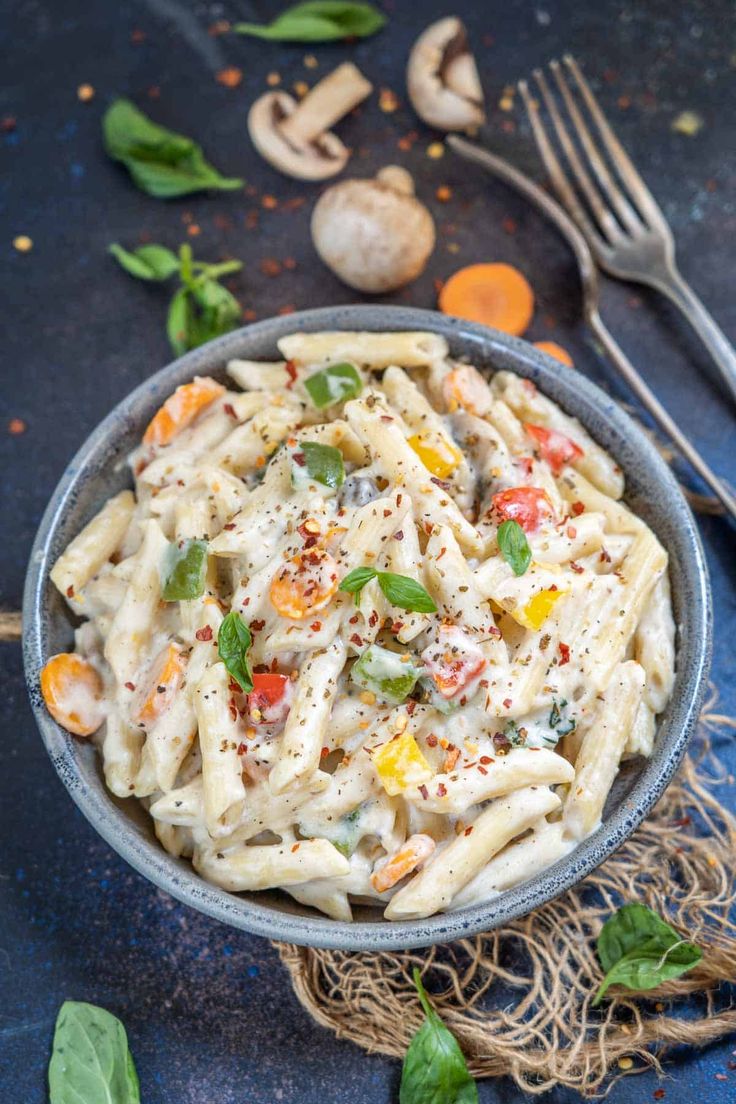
x: 496, y: 295
x: 168, y: 675
x: 71, y: 688
x: 410, y: 855
x: 305, y: 584
x: 180, y: 410
x: 551, y: 348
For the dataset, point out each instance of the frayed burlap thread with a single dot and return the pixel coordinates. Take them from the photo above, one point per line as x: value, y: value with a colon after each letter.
x: 519, y: 999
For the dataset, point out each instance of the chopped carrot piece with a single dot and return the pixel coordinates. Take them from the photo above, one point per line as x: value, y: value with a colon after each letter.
x: 410, y: 855
x: 180, y: 410
x: 168, y: 672
x: 551, y: 348
x: 305, y: 584
x: 71, y: 688
x: 496, y: 295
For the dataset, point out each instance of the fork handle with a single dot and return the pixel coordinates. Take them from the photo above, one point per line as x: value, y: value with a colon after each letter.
x: 649, y: 400
x: 672, y: 284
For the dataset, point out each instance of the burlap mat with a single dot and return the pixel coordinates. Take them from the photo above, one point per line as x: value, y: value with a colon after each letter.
x: 519, y: 999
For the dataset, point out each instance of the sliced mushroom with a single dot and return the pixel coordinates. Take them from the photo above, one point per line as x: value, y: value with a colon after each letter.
x: 442, y: 78
x: 294, y: 136
x: 375, y: 234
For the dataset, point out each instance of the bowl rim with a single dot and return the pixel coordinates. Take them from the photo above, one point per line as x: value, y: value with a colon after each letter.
x: 183, y: 883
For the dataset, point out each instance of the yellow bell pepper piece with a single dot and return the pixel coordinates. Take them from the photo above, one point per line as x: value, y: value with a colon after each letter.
x: 436, y: 453
x: 537, y: 610
x: 400, y: 764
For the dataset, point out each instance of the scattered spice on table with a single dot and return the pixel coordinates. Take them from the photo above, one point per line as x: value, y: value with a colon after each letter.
x: 8, y: 124
x: 687, y: 123
x: 230, y: 77
x: 85, y: 93
x: 443, y: 193
x: 23, y: 243
x: 273, y: 79
x: 137, y: 37
x: 435, y: 150
x: 16, y: 426
x: 388, y: 101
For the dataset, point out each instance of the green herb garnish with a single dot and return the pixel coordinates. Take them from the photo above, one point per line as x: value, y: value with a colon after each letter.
x: 323, y: 463
x: 333, y: 385
x: 514, y: 546
x: 400, y: 590
x: 559, y: 719
x: 233, y: 641
x: 202, y: 308
x: 434, y: 1070
x: 639, y: 950
x: 185, y: 567
x: 318, y: 21
x: 162, y: 163
x: 90, y: 1059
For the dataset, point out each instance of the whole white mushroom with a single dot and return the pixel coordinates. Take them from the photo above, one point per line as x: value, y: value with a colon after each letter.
x: 374, y: 234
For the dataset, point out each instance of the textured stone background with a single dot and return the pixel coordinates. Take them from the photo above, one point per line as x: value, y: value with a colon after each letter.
x: 210, y: 1014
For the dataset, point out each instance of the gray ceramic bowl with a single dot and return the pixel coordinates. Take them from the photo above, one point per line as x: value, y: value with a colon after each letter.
x: 98, y: 470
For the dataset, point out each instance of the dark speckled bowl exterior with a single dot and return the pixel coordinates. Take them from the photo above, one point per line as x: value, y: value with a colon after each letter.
x: 99, y: 470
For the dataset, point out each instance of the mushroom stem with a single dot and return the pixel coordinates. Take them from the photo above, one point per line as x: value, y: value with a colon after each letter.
x: 327, y: 102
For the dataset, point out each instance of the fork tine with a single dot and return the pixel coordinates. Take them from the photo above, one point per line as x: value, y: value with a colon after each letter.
x: 624, y: 210
x: 605, y: 219
x: 557, y: 175
x: 643, y: 198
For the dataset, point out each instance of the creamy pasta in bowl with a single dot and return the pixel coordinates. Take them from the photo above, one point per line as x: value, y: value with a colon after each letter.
x: 373, y: 628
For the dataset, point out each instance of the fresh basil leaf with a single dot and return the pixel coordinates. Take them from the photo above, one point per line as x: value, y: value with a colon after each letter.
x: 333, y: 385
x: 514, y: 546
x: 200, y: 312
x: 638, y: 949
x: 233, y: 641
x: 318, y: 21
x: 161, y: 163
x: 148, y: 262
x: 434, y: 1070
x: 185, y: 566
x: 177, y: 322
x: 90, y: 1059
x: 406, y: 593
x: 356, y: 579
x: 323, y: 463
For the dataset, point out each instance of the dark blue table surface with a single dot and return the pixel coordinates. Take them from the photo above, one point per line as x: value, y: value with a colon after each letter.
x: 210, y: 1012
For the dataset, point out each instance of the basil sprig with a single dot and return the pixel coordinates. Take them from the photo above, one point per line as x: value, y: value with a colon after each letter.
x: 514, y: 546
x: 400, y: 590
x: 185, y: 566
x: 161, y: 163
x: 639, y: 950
x: 323, y: 463
x: 202, y: 308
x: 90, y: 1059
x: 233, y: 641
x: 318, y: 21
x: 434, y: 1070
x: 333, y: 385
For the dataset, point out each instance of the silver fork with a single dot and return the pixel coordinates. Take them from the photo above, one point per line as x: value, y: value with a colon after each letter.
x: 616, y: 212
x: 589, y: 276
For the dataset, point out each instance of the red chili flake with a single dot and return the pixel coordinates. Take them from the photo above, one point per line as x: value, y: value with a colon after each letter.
x: 269, y: 202
x: 564, y: 653
x: 8, y: 124
x: 291, y: 372
x: 485, y: 760
x: 295, y: 847
x: 354, y: 619
x: 233, y: 687
x: 441, y: 789
x: 442, y: 552
x: 658, y: 1094
x: 70, y: 592
x: 468, y: 830
x: 256, y: 626
x: 572, y: 532
x: 130, y: 686
x: 574, y: 567
x: 507, y: 702
x: 154, y: 92
x: 431, y: 740
x: 269, y: 266
x: 242, y: 749
x: 398, y: 499
x: 683, y: 822
x: 605, y: 557
x: 288, y: 309
x: 294, y: 204
x: 16, y: 426
x: 230, y: 410
x: 316, y: 626
x: 578, y: 508
x: 205, y: 633
x: 249, y: 315
x: 251, y: 220
x: 310, y: 539
x: 233, y: 710
x: 387, y: 513
x: 396, y: 627
x: 221, y: 27
x: 526, y: 463
x: 509, y: 225
x: 230, y: 525
x: 230, y: 77
x: 441, y: 483
x: 373, y: 619
x: 501, y: 743
x: 355, y: 639
x: 324, y: 753
x: 410, y: 707
x: 482, y: 770
x: 424, y: 792
x: 137, y: 36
